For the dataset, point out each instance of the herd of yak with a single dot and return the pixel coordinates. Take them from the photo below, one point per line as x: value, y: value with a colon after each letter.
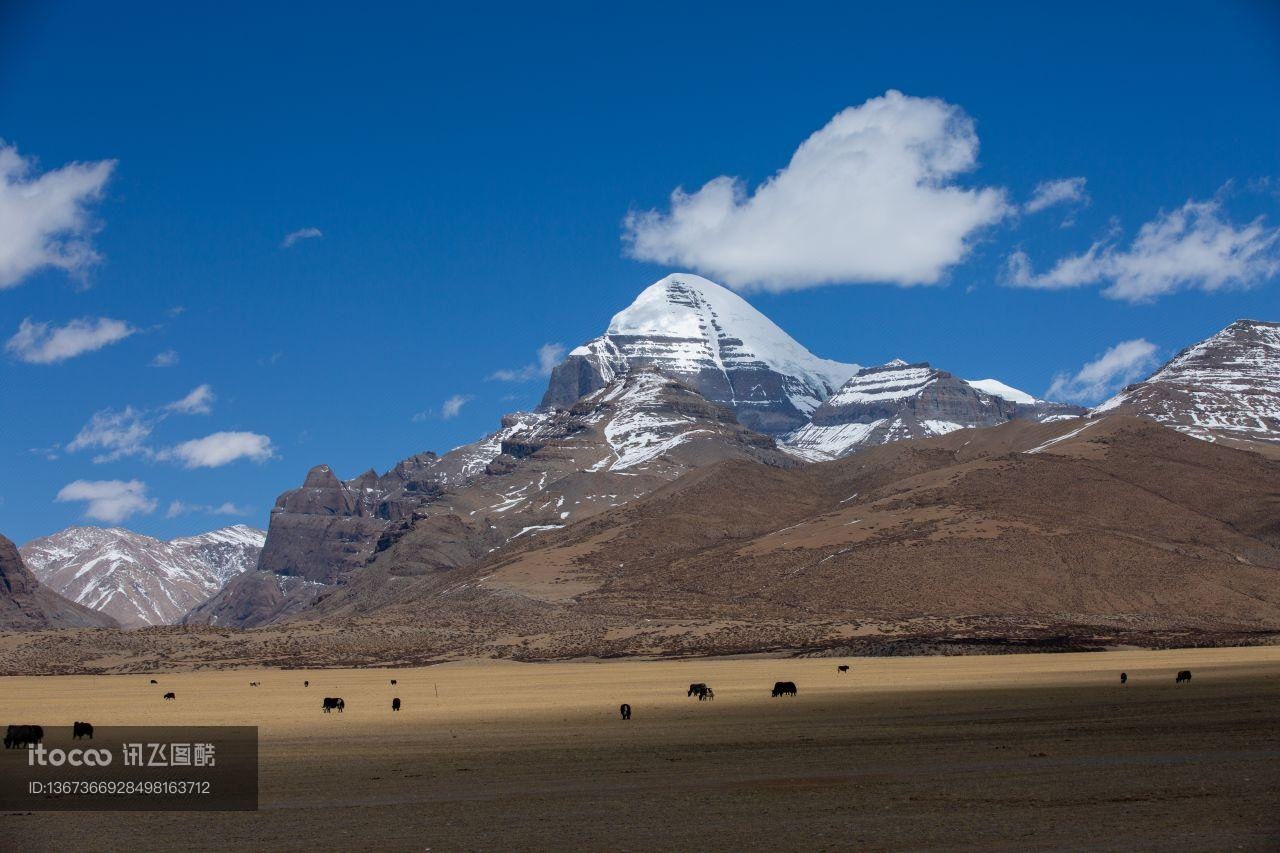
x: 22, y: 736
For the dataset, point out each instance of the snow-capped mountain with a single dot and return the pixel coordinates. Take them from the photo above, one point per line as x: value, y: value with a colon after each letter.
x: 1226, y: 386
x: 898, y: 401
x: 706, y: 336
x: 539, y: 472
x: 138, y: 580
x: 28, y: 605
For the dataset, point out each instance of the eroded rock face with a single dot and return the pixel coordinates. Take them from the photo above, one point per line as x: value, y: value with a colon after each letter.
x: 25, y: 605
x: 1226, y: 386
x: 710, y: 339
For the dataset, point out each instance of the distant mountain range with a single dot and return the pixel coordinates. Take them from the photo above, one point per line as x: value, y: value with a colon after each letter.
x: 686, y: 384
x: 138, y: 580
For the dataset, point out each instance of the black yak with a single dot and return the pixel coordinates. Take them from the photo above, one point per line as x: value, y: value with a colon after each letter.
x: 395, y: 704
x: 844, y: 667
x: 80, y: 730
x: 625, y: 711
x: 1185, y: 675
x: 784, y: 688
x: 331, y: 702
x: 170, y: 696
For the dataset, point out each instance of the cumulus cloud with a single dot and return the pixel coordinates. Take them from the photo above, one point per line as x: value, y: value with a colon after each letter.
x: 549, y: 355
x: 1192, y: 248
x: 111, y: 501
x: 1061, y: 191
x: 180, y: 508
x: 454, y: 404
x: 1120, y: 365
x: 44, y: 343
x: 116, y: 434
x: 198, y: 402
x: 871, y: 197
x: 220, y: 448
x: 44, y: 218
x: 301, y: 234
x: 168, y: 358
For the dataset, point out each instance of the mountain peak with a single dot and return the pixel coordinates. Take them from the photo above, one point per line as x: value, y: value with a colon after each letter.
x: 694, y: 331
x: 1227, y: 385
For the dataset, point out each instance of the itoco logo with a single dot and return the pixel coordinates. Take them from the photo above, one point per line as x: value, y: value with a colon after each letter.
x: 72, y: 757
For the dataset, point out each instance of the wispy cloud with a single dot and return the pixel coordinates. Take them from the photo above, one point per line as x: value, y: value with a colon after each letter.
x: 220, y: 448
x: 44, y: 343
x: 198, y: 402
x: 168, y: 358
x: 1120, y: 365
x: 549, y: 355
x: 1192, y: 248
x: 180, y: 508
x: 44, y: 218
x: 1062, y: 191
x: 111, y: 501
x: 451, y: 407
x: 116, y: 434
x: 294, y: 237
x: 871, y: 197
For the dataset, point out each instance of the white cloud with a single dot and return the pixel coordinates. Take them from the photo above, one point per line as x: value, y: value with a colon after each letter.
x: 1062, y: 191
x: 549, y: 355
x: 868, y: 198
x: 44, y: 219
x: 1120, y: 365
x: 43, y: 343
x: 301, y: 234
x: 179, y: 508
x: 454, y: 404
x: 1192, y: 248
x: 111, y: 501
x: 198, y: 402
x: 168, y: 358
x: 220, y: 448
x: 116, y: 434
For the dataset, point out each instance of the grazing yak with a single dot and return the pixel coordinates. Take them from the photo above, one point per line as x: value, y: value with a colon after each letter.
x: 79, y: 730
x: 306, y: 684
x: 784, y: 688
x: 395, y: 704
x: 1185, y: 675
x: 699, y: 689
x: 170, y: 696
x: 625, y: 711
x: 331, y: 702
x: 844, y: 667
x: 1124, y: 678
x: 21, y: 737
x: 393, y: 682
x: 153, y: 681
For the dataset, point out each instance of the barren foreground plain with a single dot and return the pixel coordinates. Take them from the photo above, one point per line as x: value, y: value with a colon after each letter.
x: 1013, y: 752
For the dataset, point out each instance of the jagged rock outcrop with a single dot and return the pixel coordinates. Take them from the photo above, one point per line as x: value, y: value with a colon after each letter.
x: 27, y: 605
x: 706, y: 336
x: 139, y: 580
x: 899, y: 401
x: 1225, y: 387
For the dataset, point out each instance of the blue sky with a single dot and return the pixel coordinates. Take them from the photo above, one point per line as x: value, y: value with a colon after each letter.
x: 469, y: 175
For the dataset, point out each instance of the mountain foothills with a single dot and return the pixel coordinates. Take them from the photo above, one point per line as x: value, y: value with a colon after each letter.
x: 138, y: 580
x: 664, y: 499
